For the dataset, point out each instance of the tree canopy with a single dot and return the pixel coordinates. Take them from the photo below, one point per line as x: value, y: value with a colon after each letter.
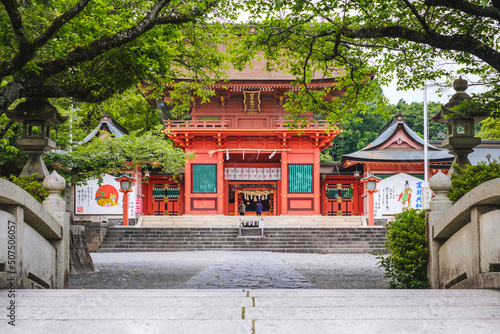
x: 89, y: 50
x: 149, y: 149
x: 417, y: 40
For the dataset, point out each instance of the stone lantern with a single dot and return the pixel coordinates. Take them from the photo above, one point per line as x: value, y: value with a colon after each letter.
x: 36, y: 116
x: 460, y: 126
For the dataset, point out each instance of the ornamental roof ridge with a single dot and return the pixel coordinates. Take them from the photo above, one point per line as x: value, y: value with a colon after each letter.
x: 114, y: 128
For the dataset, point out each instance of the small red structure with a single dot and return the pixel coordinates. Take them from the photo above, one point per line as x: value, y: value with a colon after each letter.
x: 125, y: 187
x: 370, y: 188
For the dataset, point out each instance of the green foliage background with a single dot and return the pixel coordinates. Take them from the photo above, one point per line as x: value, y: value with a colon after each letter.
x: 110, y: 155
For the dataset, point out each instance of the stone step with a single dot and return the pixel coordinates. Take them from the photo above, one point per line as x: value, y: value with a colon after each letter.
x: 306, y: 240
x: 344, y: 250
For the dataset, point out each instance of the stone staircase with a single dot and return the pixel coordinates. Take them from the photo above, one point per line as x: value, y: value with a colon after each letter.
x: 299, y: 240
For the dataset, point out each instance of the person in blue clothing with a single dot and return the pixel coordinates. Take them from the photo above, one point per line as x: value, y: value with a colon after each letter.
x: 258, y: 208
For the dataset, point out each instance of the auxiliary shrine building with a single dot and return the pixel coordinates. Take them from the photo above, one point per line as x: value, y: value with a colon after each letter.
x: 246, y: 152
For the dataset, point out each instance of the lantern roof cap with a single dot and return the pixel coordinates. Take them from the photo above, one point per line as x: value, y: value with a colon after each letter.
x: 370, y: 177
x: 125, y: 177
x: 450, y: 108
x: 37, y: 110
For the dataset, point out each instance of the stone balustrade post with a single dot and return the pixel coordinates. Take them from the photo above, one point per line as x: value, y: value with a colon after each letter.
x: 56, y: 206
x: 440, y: 184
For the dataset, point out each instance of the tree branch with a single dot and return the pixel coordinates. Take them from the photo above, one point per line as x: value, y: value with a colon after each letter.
x: 12, y: 8
x: 105, y: 44
x: 59, y: 22
x: 467, y: 7
x: 417, y: 15
x: 27, y: 49
x: 464, y: 43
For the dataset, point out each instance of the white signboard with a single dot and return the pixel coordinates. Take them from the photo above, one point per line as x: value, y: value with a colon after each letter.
x: 397, y: 193
x: 104, y: 199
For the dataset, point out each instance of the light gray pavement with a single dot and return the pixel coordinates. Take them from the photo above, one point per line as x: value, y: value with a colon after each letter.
x: 265, y: 311
x: 229, y: 270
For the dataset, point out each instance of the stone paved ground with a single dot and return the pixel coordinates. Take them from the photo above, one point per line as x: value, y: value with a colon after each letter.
x: 227, y: 270
x: 261, y: 311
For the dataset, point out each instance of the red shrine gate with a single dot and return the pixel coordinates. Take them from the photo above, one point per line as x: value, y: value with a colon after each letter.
x: 276, y: 165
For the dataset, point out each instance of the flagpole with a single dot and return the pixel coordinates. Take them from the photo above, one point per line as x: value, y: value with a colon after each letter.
x: 426, y: 139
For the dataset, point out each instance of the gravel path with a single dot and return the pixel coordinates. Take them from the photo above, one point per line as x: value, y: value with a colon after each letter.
x: 224, y: 270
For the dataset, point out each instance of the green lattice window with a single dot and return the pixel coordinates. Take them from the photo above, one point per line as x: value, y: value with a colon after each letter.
x: 332, y: 192
x: 158, y: 192
x: 173, y: 192
x: 203, y: 178
x: 300, y: 179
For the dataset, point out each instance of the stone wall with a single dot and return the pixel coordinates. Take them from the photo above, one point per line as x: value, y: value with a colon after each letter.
x: 464, y: 251
x: 80, y: 260
x: 95, y: 232
x: 34, y: 238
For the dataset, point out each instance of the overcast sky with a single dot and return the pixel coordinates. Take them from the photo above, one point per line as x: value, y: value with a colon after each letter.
x: 415, y: 96
x: 418, y: 96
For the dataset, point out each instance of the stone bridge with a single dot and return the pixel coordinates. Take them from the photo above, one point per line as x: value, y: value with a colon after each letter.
x: 34, y: 238
x: 464, y: 238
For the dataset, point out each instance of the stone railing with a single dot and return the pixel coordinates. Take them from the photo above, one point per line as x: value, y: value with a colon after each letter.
x: 464, y: 246
x: 34, y: 238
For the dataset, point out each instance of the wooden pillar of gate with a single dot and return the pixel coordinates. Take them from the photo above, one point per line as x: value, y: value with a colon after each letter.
x: 187, y: 188
x: 220, y: 183
x: 284, y: 184
x: 236, y: 202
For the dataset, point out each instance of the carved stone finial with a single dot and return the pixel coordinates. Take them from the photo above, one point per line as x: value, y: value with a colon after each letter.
x: 440, y: 183
x: 460, y: 85
x: 54, y: 183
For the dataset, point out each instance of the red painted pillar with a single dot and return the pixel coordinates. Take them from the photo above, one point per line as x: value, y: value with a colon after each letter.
x: 356, y: 199
x: 283, y: 200
x: 187, y: 188
x: 317, y: 183
x: 371, y: 210
x: 275, y: 208
x: 125, y: 208
x: 236, y: 202
x: 220, y: 183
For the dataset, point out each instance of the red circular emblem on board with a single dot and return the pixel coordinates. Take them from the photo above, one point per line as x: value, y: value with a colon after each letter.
x: 107, y: 195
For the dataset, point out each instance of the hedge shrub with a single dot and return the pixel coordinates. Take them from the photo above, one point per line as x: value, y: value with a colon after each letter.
x: 467, y: 178
x: 406, y: 266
